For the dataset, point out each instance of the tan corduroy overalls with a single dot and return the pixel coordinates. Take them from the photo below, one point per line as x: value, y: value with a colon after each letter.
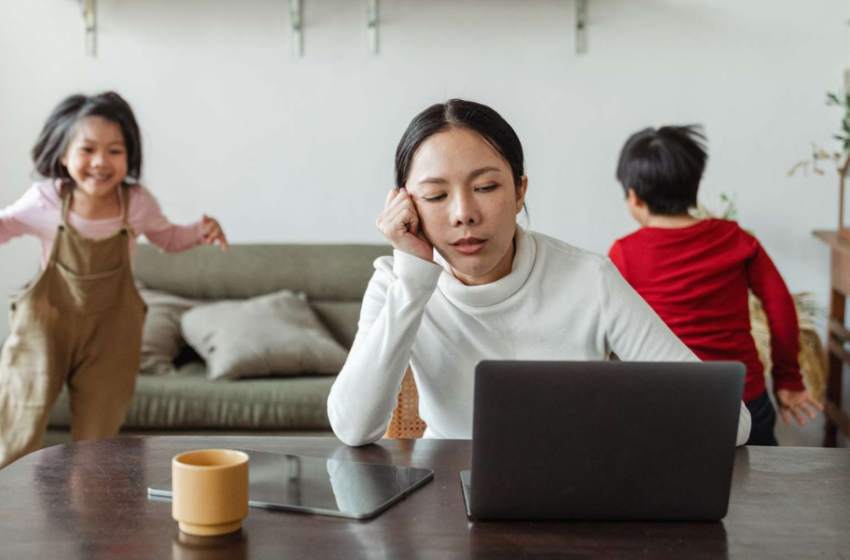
x: 81, y: 323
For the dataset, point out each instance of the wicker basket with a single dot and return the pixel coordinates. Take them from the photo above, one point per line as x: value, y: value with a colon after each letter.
x: 812, y: 356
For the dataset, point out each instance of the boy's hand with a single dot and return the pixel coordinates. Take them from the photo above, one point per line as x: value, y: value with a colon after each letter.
x: 400, y: 224
x: 212, y: 232
x: 796, y: 403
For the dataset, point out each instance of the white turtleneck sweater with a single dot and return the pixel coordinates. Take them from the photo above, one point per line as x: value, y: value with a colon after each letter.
x: 558, y: 303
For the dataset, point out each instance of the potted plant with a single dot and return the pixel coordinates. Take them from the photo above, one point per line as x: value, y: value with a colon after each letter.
x: 840, y: 159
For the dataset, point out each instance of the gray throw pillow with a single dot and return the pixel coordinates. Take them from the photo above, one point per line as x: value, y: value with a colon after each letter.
x: 161, y: 338
x: 275, y: 334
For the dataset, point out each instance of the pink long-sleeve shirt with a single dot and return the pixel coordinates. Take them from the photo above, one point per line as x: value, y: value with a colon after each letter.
x: 38, y: 212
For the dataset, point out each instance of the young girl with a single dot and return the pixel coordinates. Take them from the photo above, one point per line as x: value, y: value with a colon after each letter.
x: 466, y: 283
x: 81, y: 321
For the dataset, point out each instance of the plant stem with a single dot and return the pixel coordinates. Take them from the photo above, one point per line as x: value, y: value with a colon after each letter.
x: 843, y: 176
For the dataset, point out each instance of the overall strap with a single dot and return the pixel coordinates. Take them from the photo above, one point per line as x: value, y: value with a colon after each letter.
x: 125, y: 197
x: 126, y: 230
x: 66, y: 194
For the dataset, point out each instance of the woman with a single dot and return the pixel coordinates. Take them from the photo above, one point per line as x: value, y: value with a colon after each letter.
x: 465, y: 283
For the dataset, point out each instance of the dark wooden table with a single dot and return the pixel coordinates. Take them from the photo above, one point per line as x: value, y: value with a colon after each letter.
x: 88, y: 500
x: 838, y: 335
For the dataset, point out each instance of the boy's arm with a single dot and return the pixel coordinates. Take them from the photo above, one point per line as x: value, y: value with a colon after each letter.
x: 767, y: 284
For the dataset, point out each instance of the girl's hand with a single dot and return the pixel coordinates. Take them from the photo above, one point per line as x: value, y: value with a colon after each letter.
x: 212, y: 232
x: 399, y: 223
x: 796, y: 402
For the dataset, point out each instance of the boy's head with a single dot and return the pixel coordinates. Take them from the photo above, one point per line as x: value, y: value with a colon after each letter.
x: 660, y: 170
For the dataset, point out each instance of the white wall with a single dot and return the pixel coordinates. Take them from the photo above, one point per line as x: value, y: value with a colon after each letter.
x: 301, y: 150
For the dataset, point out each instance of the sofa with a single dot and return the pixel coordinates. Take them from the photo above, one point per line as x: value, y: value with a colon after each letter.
x: 334, y: 279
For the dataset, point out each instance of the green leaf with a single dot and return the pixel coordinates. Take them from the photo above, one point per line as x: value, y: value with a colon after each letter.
x: 831, y: 98
x: 847, y: 144
x: 840, y: 138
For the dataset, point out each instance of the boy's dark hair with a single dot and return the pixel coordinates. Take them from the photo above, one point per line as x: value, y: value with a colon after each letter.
x: 458, y: 113
x: 58, y: 131
x: 664, y: 167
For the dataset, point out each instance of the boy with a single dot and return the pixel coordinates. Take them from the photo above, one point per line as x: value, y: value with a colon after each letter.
x: 696, y: 274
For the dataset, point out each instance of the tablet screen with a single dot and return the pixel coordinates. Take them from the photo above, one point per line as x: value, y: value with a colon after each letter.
x: 324, y: 486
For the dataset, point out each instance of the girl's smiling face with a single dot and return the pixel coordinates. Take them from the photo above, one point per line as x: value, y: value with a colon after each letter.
x: 96, y: 157
x: 467, y: 203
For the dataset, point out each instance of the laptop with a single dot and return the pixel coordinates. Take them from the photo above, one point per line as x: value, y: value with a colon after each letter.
x: 603, y: 440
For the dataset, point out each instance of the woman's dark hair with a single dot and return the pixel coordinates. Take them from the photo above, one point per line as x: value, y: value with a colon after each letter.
x: 458, y: 113
x: 664, y: 167
x: 58, y: 131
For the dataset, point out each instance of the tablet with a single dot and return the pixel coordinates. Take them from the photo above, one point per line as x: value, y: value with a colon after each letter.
x: 323, y: 486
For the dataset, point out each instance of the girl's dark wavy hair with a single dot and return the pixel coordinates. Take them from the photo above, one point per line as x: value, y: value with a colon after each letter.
x: 59, y: 129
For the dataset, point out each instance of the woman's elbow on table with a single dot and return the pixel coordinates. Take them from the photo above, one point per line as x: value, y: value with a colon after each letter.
x: 744, y: 424
x: 347, y: 431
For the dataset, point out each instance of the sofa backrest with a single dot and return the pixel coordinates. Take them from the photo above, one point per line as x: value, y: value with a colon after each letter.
x: 334, y: 277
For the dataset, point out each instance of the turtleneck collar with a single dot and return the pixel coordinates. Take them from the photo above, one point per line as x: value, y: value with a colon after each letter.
x: 495, y: 292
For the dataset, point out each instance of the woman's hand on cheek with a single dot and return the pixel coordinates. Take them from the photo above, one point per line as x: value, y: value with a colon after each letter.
x: 400, y: 224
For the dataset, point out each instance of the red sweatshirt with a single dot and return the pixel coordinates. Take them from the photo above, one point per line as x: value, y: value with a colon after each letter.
x: 697, y: 279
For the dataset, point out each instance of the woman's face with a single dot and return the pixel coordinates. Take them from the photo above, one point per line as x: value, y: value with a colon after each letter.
x: 467, y: 203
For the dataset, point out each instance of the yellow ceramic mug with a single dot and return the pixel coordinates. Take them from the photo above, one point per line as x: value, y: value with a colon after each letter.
x: 210, y: 489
